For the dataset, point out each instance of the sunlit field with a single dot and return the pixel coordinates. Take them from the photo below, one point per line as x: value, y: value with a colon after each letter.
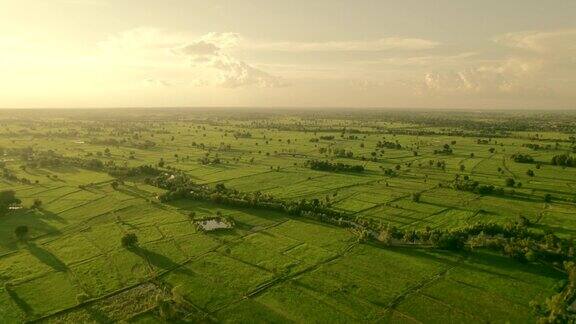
x: 324, y: 216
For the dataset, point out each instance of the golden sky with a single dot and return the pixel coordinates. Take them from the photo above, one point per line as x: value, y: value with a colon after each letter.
x: 264, y: 53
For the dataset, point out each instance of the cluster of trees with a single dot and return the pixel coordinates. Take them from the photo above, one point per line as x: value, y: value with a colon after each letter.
x: 467, y: 184
x: 206, y: 160
x: 327, y: 137
x: 440, y: 164
x: 134, y: 142
x: 522, y: 158
x: 446, y: 149
x: 513, y: 239
x: 142, y: 170
x: 388, y: 171
x: 334, y: 167
x: 564, y: 160
x: 557, y: 308
x: 8, y: 198
x: 537, y: 147
x: 180, y: 186
x: 389, y: 145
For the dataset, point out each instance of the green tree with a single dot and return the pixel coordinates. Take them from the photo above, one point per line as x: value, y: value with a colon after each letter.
x: 129, y: 241
x: 7, y: 199
x: 510, y: 182
x: 37, y: 204
x: 21, y: 232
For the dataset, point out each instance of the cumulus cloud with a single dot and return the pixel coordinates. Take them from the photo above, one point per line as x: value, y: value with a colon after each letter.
x: 213, y: 57
x: 210, y: 51
x: 200, y: 48
x: 537, y: 63
x: 235, y: 73
x: 511, y: 77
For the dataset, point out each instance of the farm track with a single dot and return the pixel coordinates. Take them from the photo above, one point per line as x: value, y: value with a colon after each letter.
x: 473, y: 170
x: 506, y: 167
x: 262, y: 288
x: 419, y: 286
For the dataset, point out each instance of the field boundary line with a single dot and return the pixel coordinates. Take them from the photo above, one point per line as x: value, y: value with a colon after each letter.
x: 419, y: 286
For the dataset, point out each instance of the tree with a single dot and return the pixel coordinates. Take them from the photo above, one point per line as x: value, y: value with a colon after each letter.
x: 530, y: 173
x: 462, y: 167
x: 7, y: 198
x: 548, y: 197
x: 21, y: 232
x: 416, y: 196
x: 37, y: 204
x: 130, y: 241
x: 564, y: 160
x: 510, y: 182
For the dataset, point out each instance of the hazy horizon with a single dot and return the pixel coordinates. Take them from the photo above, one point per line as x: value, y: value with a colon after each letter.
x: 260, y: 54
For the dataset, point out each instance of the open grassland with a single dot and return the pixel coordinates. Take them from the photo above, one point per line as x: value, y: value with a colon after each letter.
x: 271, y: 266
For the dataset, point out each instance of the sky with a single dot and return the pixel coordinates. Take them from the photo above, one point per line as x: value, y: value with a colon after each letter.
x: 518, y: 54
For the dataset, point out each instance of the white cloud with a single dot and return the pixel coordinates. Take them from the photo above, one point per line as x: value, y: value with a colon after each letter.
x: 200, y: 48
x: 559, y: 41
x: 382, y: 44
x: 537, y: 63
x: 510, y: 77
x: 235, y: 73
x: 157, y: 83
x: 210, y: 51
x: 141, y: 38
